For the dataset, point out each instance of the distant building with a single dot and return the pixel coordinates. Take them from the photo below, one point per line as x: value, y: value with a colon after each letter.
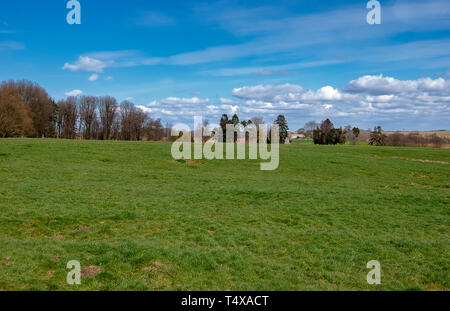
x: 296, y: 136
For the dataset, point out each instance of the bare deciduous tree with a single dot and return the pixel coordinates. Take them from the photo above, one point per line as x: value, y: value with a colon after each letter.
x: 107, y: 107
x: 39, y: 103
x: 132, y: 121
x: 310, y: 127
x: 88, y: 115
x: 67, y: 118
x: 15, y: 119
x: 153, y: 130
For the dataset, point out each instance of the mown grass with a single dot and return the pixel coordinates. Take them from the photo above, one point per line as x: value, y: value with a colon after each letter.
x: 153, y: 223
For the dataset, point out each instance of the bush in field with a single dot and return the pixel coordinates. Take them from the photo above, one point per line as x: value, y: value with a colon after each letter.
x: 326, y: 134
x: 377, y: 138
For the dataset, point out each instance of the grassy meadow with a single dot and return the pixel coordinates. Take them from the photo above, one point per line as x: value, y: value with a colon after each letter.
x: 138, y: 220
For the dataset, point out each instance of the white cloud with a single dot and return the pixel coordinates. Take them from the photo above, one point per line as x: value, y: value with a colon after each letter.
x: 109, y: 78
x: 231, y: 109
x: 89, y: 64
x: 226, y: 101
x: 145, y: 109
x: 380, y: 99
x: 369, y: 98
x: 324, y: 93
x: 74, y: 93
x: 379, y: 85
x: 184, y: 102
x: 178, y: 107
x: 366, y: 101
x: 94, y: 77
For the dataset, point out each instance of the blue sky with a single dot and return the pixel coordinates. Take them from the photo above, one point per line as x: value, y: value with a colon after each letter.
x: 308, y: 60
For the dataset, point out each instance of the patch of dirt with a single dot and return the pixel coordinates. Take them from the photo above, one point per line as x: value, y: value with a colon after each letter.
x: 424, y: 176
x: 85, y: 229
x: 90, y: 271
x: 210, y: 232
x: 423, y: 161
x: 157, y: 275
x: 156, y: 267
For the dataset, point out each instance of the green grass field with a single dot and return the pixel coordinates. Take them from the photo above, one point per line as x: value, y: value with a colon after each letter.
x: 143, y: 221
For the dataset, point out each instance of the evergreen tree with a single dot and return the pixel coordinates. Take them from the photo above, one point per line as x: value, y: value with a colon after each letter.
x: 223, y: 125
x: 281, y: 121
x: 235, y: 120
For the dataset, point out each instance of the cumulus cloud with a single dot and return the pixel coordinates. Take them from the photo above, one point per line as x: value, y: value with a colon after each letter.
x: 178, y: 106
x: 371, y: 100
x: 226, y: 101
x: 231, y: 109
x: 89, y: 64
x: 145, y: 109
x: 324, y: 93
x: 74, y: 93
x: 379, y: 85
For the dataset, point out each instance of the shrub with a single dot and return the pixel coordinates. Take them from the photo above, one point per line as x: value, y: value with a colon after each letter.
x: 328, y: 135
x: 377, y: 137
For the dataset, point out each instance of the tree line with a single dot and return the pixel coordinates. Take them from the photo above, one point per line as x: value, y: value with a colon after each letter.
x: 256, y: 121
x: 26, y: 110
x: 326, y: 134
